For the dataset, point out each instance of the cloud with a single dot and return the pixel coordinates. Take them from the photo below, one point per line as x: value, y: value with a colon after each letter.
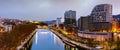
x: 50, y: 9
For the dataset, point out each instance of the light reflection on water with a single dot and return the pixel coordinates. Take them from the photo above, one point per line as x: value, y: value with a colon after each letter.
x: 46, y: 40
x: 36, y: 37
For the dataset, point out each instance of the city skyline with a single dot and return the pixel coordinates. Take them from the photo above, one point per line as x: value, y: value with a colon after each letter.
x: 50, y: 9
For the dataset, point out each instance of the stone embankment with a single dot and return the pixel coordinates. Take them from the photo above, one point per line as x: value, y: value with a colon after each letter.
x: 71, y: 42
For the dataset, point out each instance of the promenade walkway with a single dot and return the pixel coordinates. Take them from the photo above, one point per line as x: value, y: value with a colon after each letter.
x: 71, y: 42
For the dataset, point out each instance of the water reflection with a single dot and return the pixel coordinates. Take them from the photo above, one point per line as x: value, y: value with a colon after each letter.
x: 46, y: 40
x: 67, y: 47
x: 36, y: 37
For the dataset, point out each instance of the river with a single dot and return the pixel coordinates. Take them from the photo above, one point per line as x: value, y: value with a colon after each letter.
x: 46, y: 40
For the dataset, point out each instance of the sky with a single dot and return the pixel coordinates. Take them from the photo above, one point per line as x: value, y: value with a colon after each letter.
x: 43, y: 10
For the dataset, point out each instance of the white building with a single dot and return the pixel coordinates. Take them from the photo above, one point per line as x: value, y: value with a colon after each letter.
x: 58, y: 22
x: 5, y: 28
x: 8, y: 28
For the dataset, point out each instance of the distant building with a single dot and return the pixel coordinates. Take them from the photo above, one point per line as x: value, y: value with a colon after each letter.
x: 116, y: 22
x: 51, y: 23
x: 2, y: 29
x: 5, y: 28
x: 102, y: 13
x: 62, y: 20
x: 8, y: 28
x: 6, y: 25
x: 58, y: 21
x: 117, y: 17
x: 70, y: 18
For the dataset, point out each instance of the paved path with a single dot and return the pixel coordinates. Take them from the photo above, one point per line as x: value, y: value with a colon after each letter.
x: 73, y: 43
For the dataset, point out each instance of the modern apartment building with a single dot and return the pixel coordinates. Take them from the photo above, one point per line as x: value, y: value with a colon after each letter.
x: 102, y: 13
x: 70, y: 18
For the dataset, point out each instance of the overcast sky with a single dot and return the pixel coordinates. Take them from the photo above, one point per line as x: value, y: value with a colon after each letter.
x: 50, y: 9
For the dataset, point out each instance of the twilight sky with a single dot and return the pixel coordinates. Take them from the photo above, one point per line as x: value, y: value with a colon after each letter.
x: 50, y: 9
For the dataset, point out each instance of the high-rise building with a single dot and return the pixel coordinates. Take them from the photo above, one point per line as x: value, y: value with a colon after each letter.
x: 102, y: 13
x: 101, y: 16
x: 70, y: 18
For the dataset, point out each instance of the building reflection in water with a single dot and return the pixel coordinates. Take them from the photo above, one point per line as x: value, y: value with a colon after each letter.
x: 67, y: 47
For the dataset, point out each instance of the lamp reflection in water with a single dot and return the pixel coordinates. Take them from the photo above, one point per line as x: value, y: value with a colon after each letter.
x: 44, y: 32
x: 57, y: 40
x: 47, y: 40
x: 36, y: 39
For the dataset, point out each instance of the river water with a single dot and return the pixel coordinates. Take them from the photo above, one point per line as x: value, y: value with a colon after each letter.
x: 46, y: 40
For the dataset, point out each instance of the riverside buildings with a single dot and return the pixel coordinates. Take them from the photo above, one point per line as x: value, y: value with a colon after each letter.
x: 102, y: 13
x: 101, y: 16
x: 83, y: 23
x: 70, y: 18
x: 98, y: 24
x: 6, y: 25
x: 70, y: 21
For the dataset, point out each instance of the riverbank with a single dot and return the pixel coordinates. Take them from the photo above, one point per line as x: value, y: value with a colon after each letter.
x: 71, y: 42
x: 28, y: 41
x: 10, y: 40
